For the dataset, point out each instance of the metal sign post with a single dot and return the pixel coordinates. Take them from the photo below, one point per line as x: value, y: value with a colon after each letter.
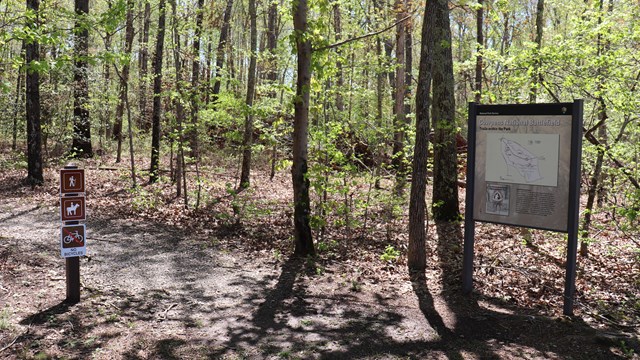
x: 72, y: 233
x: 523, y: 169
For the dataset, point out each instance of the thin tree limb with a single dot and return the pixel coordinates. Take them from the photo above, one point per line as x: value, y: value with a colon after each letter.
x: 360, y: 37
x: 607, y: 149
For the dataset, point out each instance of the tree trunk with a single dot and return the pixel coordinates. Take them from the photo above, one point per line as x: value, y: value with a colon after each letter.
x: 16, y: 111
x: 105, y: 128
x: 408, y: 64
x: 398, y: 160
x: 379, y: 85
x: 595, y: 183
x: 272, y: 72
x: 180, y: 113
x: 195, y: 81
x: 157, y: 91
x: 536, y: 73
x: 337, y: 23
x: 81, y: 146
x: 445, y: 166
x: 124, y: 79
x: 272, y: 43
x: 301, y: 201
x: 479, y: 49
x: 416, y: 256
x: 251, y: 86
x: 380, y: 73
x: 143, y: 66
x: 34, y: 132
x: 224, y: 36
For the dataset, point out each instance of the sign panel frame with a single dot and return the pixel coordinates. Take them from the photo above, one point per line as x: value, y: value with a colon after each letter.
x: 522, y: 165
x: 522, y: 191
x: 73, y: 240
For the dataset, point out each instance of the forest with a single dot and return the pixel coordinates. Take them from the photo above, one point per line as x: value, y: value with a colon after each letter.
x: 331, y: 132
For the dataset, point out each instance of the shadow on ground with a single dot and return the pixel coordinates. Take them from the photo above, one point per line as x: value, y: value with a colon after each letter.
x: 159, y: 293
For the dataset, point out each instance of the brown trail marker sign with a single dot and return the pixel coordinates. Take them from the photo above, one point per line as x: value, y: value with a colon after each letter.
x: 72, y: 234
x: 523, y: 167
x: 72, y: 208
x: 71, y: 180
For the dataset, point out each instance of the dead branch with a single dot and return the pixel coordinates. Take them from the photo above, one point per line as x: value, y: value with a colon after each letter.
x: 346, y: 41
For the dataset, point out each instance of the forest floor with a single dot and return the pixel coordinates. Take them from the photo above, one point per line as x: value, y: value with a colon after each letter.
x: 161, y: 282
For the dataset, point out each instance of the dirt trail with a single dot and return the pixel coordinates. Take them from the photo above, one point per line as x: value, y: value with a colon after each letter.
x: 153, y: 292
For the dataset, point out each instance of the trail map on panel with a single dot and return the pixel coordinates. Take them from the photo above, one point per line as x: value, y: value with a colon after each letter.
x: 528, y: 159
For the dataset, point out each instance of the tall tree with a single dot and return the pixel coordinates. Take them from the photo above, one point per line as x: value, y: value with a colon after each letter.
x: 416, y: 256
x: 143, y: 66
x: 408, y: 62
x: 602, y: 115
x: 34, y: 132
x: 272, y: 43
x: 195, y: 79
x: 445, y: 165
x: 16, y: 110
x: 299, y: 169
x: 399, y: 122
x: 157, y: 91
x: 479, y: 49
x: 81, y: 146
x: 536, y: 75
x: 251, y: 86
x: 222, y: 43
x: 180, y: 113
x: 124, y: 76
x: 337, y: 23
x: 272, y: 68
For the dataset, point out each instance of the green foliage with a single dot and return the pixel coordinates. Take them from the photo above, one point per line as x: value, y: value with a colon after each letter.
x: 390, y: 254
x: 5, y: 319
x: 326, y: 246
x: 145, y: 199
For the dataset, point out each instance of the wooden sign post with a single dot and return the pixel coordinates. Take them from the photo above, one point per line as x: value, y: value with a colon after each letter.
x: 72, y: 234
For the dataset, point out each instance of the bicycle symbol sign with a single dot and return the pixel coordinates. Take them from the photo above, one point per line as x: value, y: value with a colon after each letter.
x: 72, y: 240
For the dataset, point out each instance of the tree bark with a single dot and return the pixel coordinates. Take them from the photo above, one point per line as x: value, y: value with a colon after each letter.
x: 195, y: 80
x: 105, y: 129
x: 536, y: 75
x: 302, y: 229
x: 595, y: 182
x: 124, y: 78
x: 81, y: 146
x: 337, y: 24
x: 398, y: 156
x: 19, y: 84
x: 180, y: 113
x: 157, y: 91
x: 479, y: 49
x: 379, y: 85
x: 408, y: 63
x: 445, y: 166
x: 34, y: 132
x: 251, y: 86
x: 416, y: 255
x: 272, y: 72
x: 143, y: 66
x: 272, y: 43
x: 224, y: 36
